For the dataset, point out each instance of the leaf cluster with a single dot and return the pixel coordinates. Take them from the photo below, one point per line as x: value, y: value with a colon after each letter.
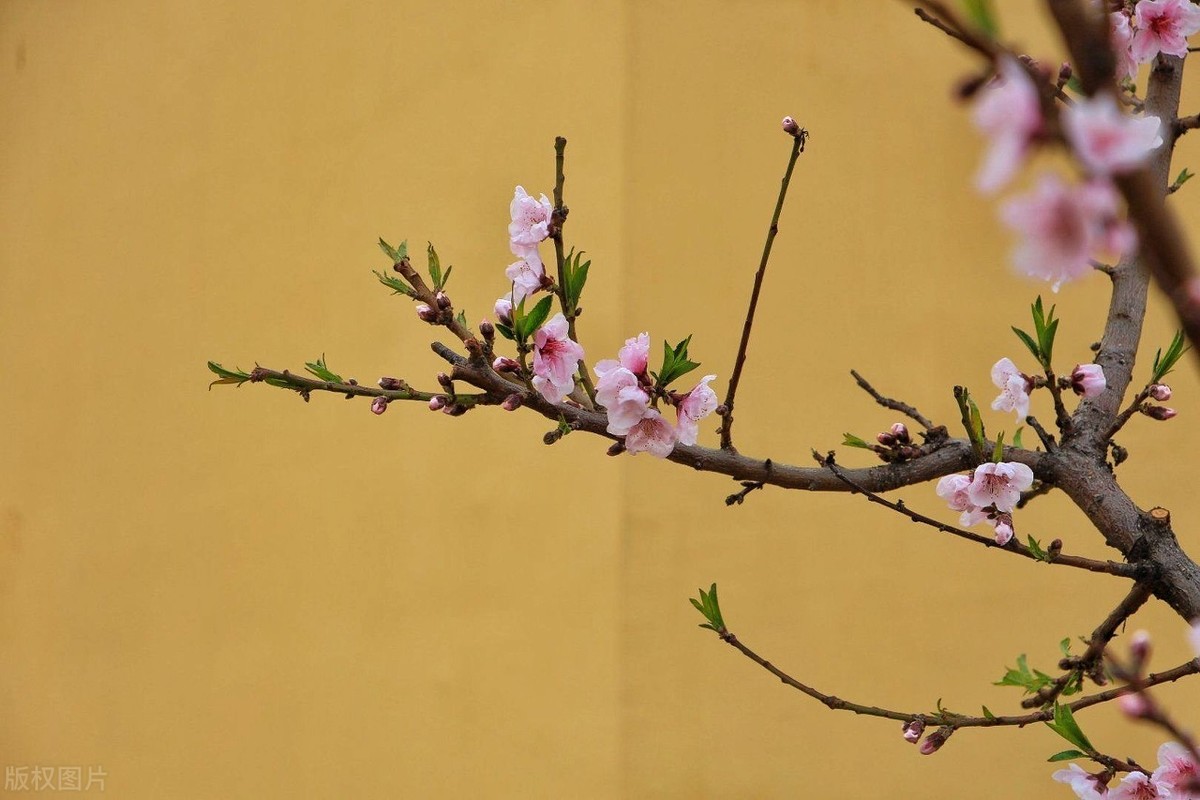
x: 710, y: 608
x: 1045, y: 326
x: 675, y: 364
x: 1165, y: 362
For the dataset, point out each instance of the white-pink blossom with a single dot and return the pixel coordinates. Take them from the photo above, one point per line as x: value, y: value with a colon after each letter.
x: 1088, y: 380
x: 1162, y: 26
x: 1194, y: 637
x: 1138, y: 786
x: 618, y: 390
x: 1121, y: 38
x: 1009, y: 115
x: 1063, y: 227
x: 1107, y: 140
x: 698, y: 404
x: 1085, y: 785
x: 555, y: 356
x: 503, y: 310
x: 635, y: 354
x: 1014, y: 388
x: 1003, y: 525
x: 526, y: 274
x: 999, y: 484
x: 1177, y: 771
x: 653, y: 435
x: 953, y: 489
x: 530, y: 221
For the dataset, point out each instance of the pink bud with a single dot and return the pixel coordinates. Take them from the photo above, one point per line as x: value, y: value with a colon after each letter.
x: 391, y: 384
x: 379, y: 405
x: 437, y: 402
x: 900, y: 431
x: 1004, y: 528
x: 443, y: 300
x: 511, y: 403
x: 1139, y: 647
x: 1134, y: 705
x: 505, y: 364
x: 934, y: 741
x: 913, y: 730
x: 790, y: 126
x: 503, y: 311
x: 1088, y: 380
x: 885, y: 439
x: 1160, y: 392
x: 1160, y: 413
x: 426, y: 313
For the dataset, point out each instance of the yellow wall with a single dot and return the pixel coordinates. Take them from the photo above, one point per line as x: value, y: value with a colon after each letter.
x: 235, y: 594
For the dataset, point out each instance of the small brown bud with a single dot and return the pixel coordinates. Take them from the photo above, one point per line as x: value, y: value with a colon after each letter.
x: 426, y: 313
x: 885, y: 439
x: 444, y: 380
x: 790, y: 126
x: 391, y: 384
x: 443, y: 300
x: 616, y: 448
x: 488, y: 331
x: 379, y: 405
x: 1055, y: 549
x: 1161, y: 413
x: 455, y: 410
x: 512, y: 402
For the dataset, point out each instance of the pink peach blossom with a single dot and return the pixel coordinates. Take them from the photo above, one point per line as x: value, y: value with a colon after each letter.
x: 1138, y: 786
x: 1085, y: 785
x: 1088, y: 380
x: 618, y: 390
x: 555, y: 357
x: 1107, y: 140
x: 1014, y: 388
x: 1062, y: 227
x: 526, y: 275
x: 1177, y: 771
x: 1003, y: 525
x: 999, y: 485
x: 652, y: 434
x: 698, y: 404
x: 953, y: 489
x: 503, y: 310
x: 530, y: 221
x: 1009, y: 115
x: 633, y: 356
x: 1121, y: 37
x: 1162, y: 26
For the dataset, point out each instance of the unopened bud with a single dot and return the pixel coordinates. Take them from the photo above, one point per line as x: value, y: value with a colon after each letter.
x: 1055, y: 549
x: 437, y: 402
x: 379, y: 405
x: 443, y: 300
x: 913, y: 730
x: 1160, y: 413
x: 934, y: 741
x: 790, y: 126
x: 511, y: 403
x: 616, y: 448
x: 503, y: 311
x: 391, y: 384
x: 488, y: 331
x: 1135, y: 706
x: 426, y: 313
x: 455, y: 410
x: 444, y: 380
x: 1065, y: 72
x: 885, y: 439
x: 900, y: 431
x: 1139, y: 649
x: 1160, y: 392
x: 505, y: 364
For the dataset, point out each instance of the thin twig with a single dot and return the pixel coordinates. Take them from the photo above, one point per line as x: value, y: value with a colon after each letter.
x: 290, y: 380
x: 894, y: 405
x: 1134, y: 407
x: 1047, y: 440
x: 737, y: 498
x: 559, y: 218
x: 1040, y: 490
x: 1014, y: 546
x: 798, y: 141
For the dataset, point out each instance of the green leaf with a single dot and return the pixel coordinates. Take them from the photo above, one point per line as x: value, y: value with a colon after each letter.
x: 709, y: 606
x: 987, y: 714
x: 396, y: 254
x: 1035, y: 547
x: 462, y: 315
x: 850, y: 440
x: 1065, y: 647
x: 1028, y: 341
x: 1164, y: 363
x: 226, y: 376
x: 393, y: 282
x: 676, y: 363
x: 1066, y: 755
x: 998, y: 452
x: 505, y: 331
x: 1064, y: 725
x: 980, y: 14
x: 1180, y: 179
x: 1047, y: 342
x: 574, y: 277
x: 322, y: 372
x: 435, y: 268
x: 524, y: 324
x: 976, y: 421
x: 1017, y: 438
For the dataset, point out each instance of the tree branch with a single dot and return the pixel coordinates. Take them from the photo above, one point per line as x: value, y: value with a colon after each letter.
x: 894, y: 405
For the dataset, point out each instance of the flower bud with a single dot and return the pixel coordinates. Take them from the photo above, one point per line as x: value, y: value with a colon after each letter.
x: 616, y: 448
x: 1004, y: 528
x: 455, y: 410
x: 503, y: 311
x: 900, y: 431
x: 1160, y: 413
x: 505, y: 364
x: 437, y: 402
x: 885, y: 439
x: 379, y: 405
x: 1160, y: 392
x: 488, y: 331
x: 1139, y: 649
x: 1135, y: 706
x: 443, y: 300
x: 1065, y: 72
x: 934, y: 741
x: 426, y: 313
x: 1088, y: 380
x: 1055, y: 549
x: 790, y: 126
x: 444, y: 380
x: 511, y: 403
x: 913, y: 730
x: 391, y: 384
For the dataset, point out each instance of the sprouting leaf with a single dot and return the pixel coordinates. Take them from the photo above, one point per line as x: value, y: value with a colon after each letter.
x: 998, y: 452
x: 709, y: 606
x: 1165, y: 362
x: 322, y: 372
x: 1028, y: 679
x: 396, y: 254
x: 226, y: 376
x: 676, y: 363
x: 435, y: 268
x: 462, y: 315
x: 1066, y: 755
x: 976, y: 420
x: 393, y: 282
x: 1180, y: 179
x: 1065, y: 647
x: 1028, y: 342
x: 574, y: 277
x: 1035, y: 547
x: 1017, y: 438
x: 1075, y: 85
x: 987, y: 713
x: 850, y: 440
x: 1064, y: 725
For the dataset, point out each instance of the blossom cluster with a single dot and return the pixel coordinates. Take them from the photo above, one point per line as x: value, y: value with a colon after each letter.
x: 624, y: 388
x: 1087, y: 381
x: 1064, y: 227
x: 989, y: 494
x: 1172, y: 780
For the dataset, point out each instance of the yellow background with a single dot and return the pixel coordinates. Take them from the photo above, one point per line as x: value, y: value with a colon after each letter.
x: 235, y: 594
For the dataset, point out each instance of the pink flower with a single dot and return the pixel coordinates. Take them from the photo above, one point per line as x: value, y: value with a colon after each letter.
x: 1088, y: 380
x: 1085, y: 785
x: 1177, y: 771
x: 1014, y: 388
x: 530, y: 221
x: 698, y: 404
x: 999, y: 485
x: 953, y: 489
x: 1003, y: 525
x: 635, y: 354
x: 1009, y: 115
x: 1106, y: 140
x: 653, y: 435
x: 618, y: 390
x: 1062, y: 227
x: 1160, y: 392
x: 1134, y: 705
x: 526, y: 275
x: 1138, y: 786
x: 1163, y: 27
x: 503, y: 310
x: 1121, y: 37
x: 555, y: 357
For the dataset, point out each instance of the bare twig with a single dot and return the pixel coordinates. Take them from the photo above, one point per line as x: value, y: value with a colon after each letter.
x: 558, y: 219
x: 894, y: 405
x: 798, y: 141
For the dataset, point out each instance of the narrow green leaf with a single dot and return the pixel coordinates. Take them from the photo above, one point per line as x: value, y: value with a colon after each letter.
x: 505, y: 331
x: 435, y: 267
x: 1028, y: 341
x: 322, y: 372
x: 998, y: 453
x: 976, y: 421
x: 227, y: 376
x: 987, y: 713
x: 1017, y: 438
x: 396, y: 254
x: 1065, y: 726
x: 1066, y: 755
x: 1182, y: 178
x: 850, y: 440
x: 446, y: 275
x: 1165, y: 362
x: 1047, y: 343
x: 393, y: 282
x: 1065, y: 646
x: 1075, y: 85
x: 980, y: 14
